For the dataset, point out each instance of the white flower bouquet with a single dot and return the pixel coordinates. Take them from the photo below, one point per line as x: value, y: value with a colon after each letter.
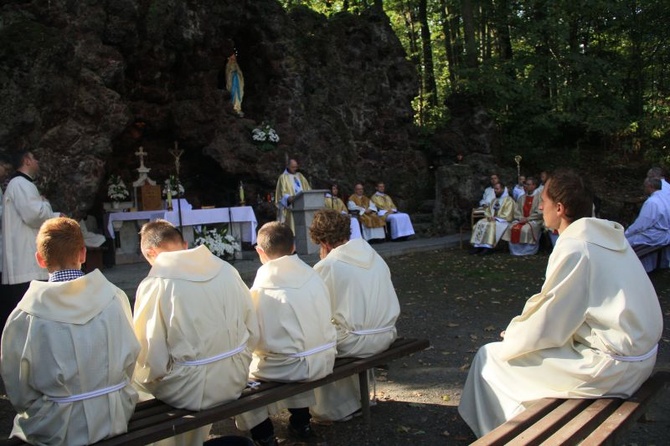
x: 218, y: 241
x: 174, y: 186
x: 116, y: 189
x: 265, y: 136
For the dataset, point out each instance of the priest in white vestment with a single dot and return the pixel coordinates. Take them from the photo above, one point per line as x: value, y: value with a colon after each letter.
x: 488, y: 231
x: 399, y: 223
x: 68, y: 349
x: 524, y: 234
x: 592, y: 331
x: 289, y: 184
x: 333, y: 201
x: 24, y: 210
x: 196, y: 325
x: 489, y: 193
x: 372, y: 225
x: 364, y: 305
x: 652, y: 225
x: 297, y: 340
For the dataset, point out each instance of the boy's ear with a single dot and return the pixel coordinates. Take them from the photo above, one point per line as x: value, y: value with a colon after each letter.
x: 82, y: 255
x: 40, y: 260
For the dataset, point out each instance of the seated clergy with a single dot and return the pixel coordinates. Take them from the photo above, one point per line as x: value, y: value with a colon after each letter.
x: 333, y: 201
x: 524, y: 235
x: 497, y: 216
x: 399, y: 223
x: 519, y: 188
x: 652, y: 226
x: 372, y: 225
x: 489, y: 193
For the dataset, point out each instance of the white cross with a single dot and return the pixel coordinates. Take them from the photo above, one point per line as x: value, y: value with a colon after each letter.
x: 141, y: 154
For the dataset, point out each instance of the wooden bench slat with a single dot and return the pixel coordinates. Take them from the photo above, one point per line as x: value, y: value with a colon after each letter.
x: 581, y: 425
x: 550, y: 423
x: 629, y: 411
x: 507, y: 431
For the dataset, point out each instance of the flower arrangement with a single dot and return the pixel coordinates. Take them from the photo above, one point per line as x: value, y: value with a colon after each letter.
x: 116, y: 189
x: 173, y: 186
x: 265, y: 136
x: 218, y: 241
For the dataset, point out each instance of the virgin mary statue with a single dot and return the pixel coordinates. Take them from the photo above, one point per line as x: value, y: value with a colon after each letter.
x: 235, y: 84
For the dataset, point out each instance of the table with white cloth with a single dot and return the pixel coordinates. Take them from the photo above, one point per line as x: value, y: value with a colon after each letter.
x: 126, y: 225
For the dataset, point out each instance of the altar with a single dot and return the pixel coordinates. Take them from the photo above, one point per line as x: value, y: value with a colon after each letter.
x: 124, y: 226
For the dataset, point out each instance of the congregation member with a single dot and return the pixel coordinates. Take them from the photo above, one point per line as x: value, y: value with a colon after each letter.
x: 652, y: 225
x: 372, y: 225
x: 592, y: 331
x: 399, y: 223
x: 488, y: 231
x: 489, y: 193
x: 297, y: 341
x: 23, y: 212
x: 363, y: 303
x: 289, y: 184
x: 524, y: 234
x: 519, y: 187
x: 333, y: 201
x: 196, y: 326
x: 68, y: 349
x: 658, y: 172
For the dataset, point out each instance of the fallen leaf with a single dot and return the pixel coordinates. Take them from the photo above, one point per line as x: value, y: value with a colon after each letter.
x: 446, y: 398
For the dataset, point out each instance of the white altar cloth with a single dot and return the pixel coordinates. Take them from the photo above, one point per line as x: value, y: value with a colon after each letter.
x: 243, y: 215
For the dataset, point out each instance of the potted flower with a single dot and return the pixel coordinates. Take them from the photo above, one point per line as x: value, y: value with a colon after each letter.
x: 265, y: 136
x: 219, y: 242
x: 172, y: 186
x: 116, y: 190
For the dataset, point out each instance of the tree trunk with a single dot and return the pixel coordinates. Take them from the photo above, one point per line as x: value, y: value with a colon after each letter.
x: 429, y: 85
x: 448, y: 42
x: 469, y: 34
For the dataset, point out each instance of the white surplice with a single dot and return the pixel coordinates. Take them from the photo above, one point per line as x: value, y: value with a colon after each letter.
x: 592, y: 331
x: 297, y: 339
x: 24, y: 211
x: 365, y: 309
x: 65, y: 339
x: 191, y: 309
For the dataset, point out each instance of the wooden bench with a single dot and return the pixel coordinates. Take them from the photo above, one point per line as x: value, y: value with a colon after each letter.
x: 644, y: 250
x: 154, y: 420
x: 585, y: 422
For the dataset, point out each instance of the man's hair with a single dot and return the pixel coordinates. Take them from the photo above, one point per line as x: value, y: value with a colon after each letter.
x: 330, y: 226
x: 19, y: 157
x: 159, y: 232
x: 573, y: 191
x: 656, y: 172
x: 276, y: 239
x: 532, y: 179
x: 654, y: 182
x: 59, y: 242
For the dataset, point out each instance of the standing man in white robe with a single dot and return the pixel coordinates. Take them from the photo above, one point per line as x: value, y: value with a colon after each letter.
x: 24, y: 211
x: 364, y: 305
x: 4, y: 170
x: 68, y: 349
x: 297, y: 340
x: 399, y: 223
x: 591, y: 332
x: 489, y: 193
x: 524, y: 234
x: 289, y: 184
x: 652, y: 225
x: 196, y: 326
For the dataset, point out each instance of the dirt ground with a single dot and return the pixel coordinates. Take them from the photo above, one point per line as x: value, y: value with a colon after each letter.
x: 459, y: 302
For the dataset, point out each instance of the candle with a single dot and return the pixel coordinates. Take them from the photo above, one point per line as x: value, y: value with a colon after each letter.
x: 241, y: 193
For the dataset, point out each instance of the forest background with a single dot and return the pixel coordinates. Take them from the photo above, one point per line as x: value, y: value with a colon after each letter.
x: 559, y: 77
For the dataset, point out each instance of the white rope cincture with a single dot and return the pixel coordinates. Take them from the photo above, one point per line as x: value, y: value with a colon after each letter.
x: 313, y: 350
x: 372, y: 330
x: 640, y: 358
x: 88, y: 395
x: 212, y: 359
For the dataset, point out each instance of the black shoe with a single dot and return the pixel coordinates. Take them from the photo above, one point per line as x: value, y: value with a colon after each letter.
x: 305, y: 434
x: 476, y: 250
x: 487, y: 252
x: 270, y: 441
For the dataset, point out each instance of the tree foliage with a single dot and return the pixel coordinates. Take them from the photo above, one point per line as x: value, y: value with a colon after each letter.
x: 561, y: 77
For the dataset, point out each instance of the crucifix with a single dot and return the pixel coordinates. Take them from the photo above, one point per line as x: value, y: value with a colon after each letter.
x: 177, y: 153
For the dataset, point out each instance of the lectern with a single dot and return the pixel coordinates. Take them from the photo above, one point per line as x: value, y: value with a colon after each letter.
x: 305, y: 204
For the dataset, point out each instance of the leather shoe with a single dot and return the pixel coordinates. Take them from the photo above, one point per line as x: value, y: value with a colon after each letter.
x: 486, y: 252
x: 476, y: 251
x: 305, y: 434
